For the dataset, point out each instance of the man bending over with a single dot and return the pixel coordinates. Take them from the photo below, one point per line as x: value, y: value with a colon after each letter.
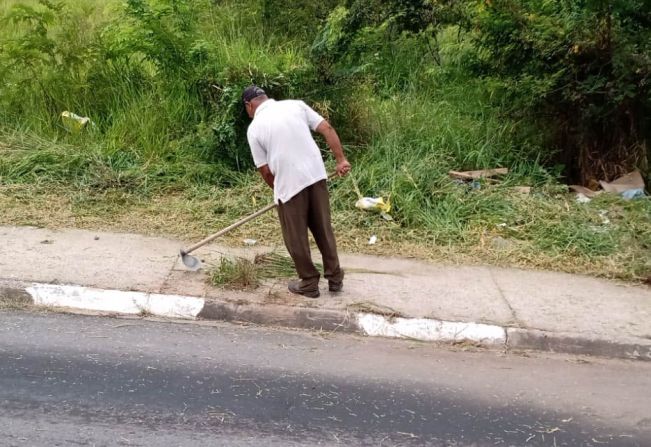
x: 290, y: 162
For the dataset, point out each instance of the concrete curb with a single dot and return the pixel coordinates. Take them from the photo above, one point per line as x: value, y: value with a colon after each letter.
x: 568, y: 343
x: 80, y: 298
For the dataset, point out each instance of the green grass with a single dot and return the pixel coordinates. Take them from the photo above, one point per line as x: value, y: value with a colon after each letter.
x: 239, y: 273
x: 167, y: 154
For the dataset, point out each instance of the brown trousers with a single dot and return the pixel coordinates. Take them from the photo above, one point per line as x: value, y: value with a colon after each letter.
x: 310, y: 208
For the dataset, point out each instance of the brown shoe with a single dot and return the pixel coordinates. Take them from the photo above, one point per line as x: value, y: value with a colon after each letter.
x: 295, y: 287
x: 335, y: 286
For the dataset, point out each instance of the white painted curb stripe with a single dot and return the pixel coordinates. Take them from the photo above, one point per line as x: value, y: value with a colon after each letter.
x: 430, y: 330
x: 78, y: 297
x: 186, y: 307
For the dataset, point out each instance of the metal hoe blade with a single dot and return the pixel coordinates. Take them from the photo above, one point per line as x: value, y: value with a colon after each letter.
x: 190, y: 261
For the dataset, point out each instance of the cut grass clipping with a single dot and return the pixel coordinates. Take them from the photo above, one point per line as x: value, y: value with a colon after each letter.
x: 12, y: 300
x: 242, y: 273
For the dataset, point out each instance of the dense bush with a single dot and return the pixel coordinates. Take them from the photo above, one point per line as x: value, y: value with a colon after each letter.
x: 299, y: 20
x: 161, y: 79
x: 583, y: 67
x: 578, y: 69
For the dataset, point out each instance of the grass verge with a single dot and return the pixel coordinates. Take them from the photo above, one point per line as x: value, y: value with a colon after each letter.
x: 168, y: 153
x: 608, y: 237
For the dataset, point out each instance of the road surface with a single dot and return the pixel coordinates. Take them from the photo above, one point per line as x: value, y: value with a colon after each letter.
x: 70, y: 380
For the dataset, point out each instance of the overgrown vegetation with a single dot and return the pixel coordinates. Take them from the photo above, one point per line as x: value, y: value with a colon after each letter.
x: 555, y: 91
x: 583, y: 68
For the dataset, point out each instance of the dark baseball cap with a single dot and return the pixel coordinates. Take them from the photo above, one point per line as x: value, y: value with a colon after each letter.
x: 251, y: 92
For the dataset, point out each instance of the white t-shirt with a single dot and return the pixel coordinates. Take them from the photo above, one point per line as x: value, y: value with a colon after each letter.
x: 280, y: 137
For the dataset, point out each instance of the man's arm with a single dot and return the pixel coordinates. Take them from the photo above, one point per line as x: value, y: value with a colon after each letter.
x: 266, y: 174
x: 333, y: 142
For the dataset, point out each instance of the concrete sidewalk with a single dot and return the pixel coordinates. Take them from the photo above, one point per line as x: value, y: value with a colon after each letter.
x: 382, y: 296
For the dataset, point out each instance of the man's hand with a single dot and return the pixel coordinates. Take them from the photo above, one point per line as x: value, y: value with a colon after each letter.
x: 343, y: 167
x: 266, y: 174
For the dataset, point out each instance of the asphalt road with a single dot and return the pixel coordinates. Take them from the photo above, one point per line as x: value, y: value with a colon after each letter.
x: 87, y: 381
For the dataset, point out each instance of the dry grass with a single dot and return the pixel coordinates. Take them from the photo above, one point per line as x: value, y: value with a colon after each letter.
x: 11, y: 300
x: 244, y: 274
x: 238, y: 273
x: 192, y: 216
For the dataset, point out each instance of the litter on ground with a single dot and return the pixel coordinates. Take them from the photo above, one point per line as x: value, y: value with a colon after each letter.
x: 629, y: 186
x: 480, y: 174
x: 376, y: 204
x: 74, y: 123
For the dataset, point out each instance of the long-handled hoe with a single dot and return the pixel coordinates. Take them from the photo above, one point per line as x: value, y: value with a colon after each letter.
x: 194, y: 264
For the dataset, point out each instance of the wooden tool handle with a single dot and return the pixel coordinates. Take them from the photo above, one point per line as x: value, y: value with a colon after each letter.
x: 228, y: 228
x: 234, y: 226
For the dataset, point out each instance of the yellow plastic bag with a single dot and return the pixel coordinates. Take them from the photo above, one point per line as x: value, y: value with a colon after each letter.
x: 373, y: 204
x: 74, y: 123
x: 376, y: 204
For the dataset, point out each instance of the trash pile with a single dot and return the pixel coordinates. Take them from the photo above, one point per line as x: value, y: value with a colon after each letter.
x: 629, y: 186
